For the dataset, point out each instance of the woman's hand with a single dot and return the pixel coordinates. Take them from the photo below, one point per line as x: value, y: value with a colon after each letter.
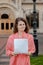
x: 29, y: 53
x: 14, y: 54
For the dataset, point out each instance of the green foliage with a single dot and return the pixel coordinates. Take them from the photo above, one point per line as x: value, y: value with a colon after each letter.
x: 38, y: 60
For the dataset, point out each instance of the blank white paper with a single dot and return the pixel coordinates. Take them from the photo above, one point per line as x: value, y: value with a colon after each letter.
x: 21, y: 46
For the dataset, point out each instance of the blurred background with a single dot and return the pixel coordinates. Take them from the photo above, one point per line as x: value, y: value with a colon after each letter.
x: 32, y: 11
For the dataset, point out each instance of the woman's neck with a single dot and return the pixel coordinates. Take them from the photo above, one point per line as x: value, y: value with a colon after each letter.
x: 20, y: 33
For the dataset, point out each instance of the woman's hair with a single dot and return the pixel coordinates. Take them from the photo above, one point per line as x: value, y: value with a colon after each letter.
x: 16, y: 24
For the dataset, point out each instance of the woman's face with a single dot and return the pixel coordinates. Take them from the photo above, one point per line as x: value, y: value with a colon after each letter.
x: 21, y: 26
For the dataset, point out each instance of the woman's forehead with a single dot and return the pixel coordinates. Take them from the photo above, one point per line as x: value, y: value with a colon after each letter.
x: 21, y: 22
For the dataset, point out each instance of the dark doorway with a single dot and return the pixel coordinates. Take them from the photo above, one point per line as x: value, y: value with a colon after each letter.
x: 4, y: 16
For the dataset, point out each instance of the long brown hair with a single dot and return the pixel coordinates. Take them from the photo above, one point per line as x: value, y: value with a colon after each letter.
x: 16, y: 24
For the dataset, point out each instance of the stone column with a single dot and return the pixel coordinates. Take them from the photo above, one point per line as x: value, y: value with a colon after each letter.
x: 19, y: 7
x: 18, y: 3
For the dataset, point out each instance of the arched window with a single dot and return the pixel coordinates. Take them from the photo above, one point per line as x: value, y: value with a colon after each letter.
x: 4, y: 16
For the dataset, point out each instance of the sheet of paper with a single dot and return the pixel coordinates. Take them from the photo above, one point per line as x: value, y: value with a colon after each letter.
x: 21, y: 46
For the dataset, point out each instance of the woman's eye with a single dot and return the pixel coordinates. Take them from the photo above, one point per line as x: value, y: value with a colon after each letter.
x: 21, y: 24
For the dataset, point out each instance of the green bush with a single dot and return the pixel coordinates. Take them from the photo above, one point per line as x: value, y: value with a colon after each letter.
x: 38, y: 60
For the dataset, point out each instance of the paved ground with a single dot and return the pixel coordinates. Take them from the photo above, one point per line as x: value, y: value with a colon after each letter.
x: 40, y: 40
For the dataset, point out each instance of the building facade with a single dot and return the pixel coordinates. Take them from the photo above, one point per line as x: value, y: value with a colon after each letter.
x: 9, y: 11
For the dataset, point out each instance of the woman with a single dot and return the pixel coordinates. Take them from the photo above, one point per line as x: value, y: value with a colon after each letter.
x: 20, y: 31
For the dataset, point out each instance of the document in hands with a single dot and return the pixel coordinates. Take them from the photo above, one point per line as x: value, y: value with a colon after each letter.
x: 21, y: 46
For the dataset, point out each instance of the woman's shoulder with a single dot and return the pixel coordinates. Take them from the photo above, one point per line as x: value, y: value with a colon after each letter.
x: 12, y: 35
x: 29, y: 35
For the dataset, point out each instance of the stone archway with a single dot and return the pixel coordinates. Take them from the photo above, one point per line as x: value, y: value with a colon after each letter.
x: 6, y: 20
x: 7, y: 24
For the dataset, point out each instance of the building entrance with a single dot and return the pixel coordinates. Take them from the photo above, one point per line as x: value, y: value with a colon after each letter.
x: 6, y: 24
